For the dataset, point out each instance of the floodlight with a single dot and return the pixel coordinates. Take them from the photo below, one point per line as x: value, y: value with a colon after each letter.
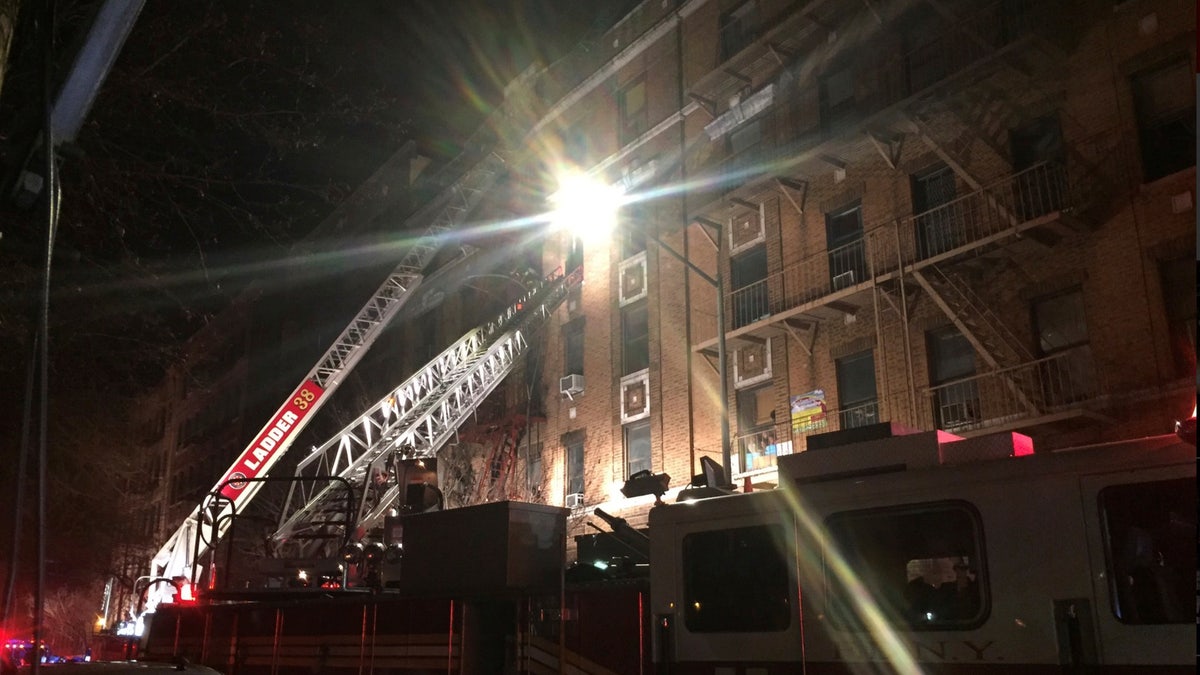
x: 646, y: 483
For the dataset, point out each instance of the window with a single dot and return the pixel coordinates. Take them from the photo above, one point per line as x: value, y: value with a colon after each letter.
x: 737, y: 580
x: 635, y: 338
x: 637, y: 447
x: 1178, y: 280
x: 533, y: 472
x: 1164, y: 102
x: 573, y: 347
x: 632, y: 232
x: 756, y: 427
x: 1150, y: 545
x: 837, y: 97
x: 843, y: 237
x: 1060, y: 322
x: 575, y: 466
x: 922, y: 562
x: 738, y: 29
x: 856, y: 390
x: 631, y: 102
x: 937, y: 229
x: 1062, y: 334
x: 574, y: 255
x: 749, y: 274
x: 746, y: 136
x: 951, y: 359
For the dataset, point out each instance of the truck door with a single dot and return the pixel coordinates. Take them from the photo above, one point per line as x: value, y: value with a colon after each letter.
x: 1141, y: 533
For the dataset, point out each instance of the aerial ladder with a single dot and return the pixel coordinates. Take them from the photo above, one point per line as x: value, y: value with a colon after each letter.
x: 211, y: 518
x: 413, y: 421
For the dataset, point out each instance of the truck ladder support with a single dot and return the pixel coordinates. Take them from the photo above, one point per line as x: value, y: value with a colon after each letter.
x: 179, y: 555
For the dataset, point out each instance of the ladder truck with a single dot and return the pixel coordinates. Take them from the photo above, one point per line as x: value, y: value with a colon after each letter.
x: 179, y: 556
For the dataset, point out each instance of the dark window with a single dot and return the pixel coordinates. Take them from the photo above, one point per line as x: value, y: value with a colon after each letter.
x: 1150, y: 542
x: 938, y: 229
x: 573, y: 345
x: 738, y: 29
x: 635, y: 338
x: 575, y: 467
x: 1061, y: 326
x: 574, y: 255
x: 632, y: 102
x: 756, y: 427
x: 745, y: 136
x: 844, y: 237
x: 632, y: 233
x: 951, y: 360
x: 837, y: 97
x: 749, y: 293
x: 922, y: 562
x: 856, y: 390
x: 1037, y: 153
x: 1060, y: 322
x: 637, y: 447
x: 737, y: 580
x: 1178, y: 280
x: 533, y: 473
x: 1164, y: 101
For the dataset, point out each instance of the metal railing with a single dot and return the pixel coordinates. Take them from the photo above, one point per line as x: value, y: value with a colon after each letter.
x: 954, y: 228
x: 1052, y: 384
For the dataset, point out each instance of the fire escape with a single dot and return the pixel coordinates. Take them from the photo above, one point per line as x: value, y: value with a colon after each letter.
x: 971, y: 77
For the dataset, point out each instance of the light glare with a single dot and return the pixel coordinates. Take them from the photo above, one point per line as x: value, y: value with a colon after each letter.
x: 584, y: 206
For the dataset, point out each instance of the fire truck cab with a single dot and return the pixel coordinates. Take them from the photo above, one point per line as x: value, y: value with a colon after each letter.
x: 925, y: 552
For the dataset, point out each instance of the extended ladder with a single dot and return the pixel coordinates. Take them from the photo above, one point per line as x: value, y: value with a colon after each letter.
x: 414, y: 421
x: 494, y: 477
x: 178, y: 556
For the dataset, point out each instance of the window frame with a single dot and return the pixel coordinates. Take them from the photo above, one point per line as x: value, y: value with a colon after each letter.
x: 628, y: 438
x: 1154, y: 166
x: 633, y: 123
x: 737, y: 586
x: 573, y: 347
x: 574, y: 466
x: 975, y: 557
x: 635, y: 345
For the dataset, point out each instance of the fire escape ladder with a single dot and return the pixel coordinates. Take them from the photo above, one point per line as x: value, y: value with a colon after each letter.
x: 500, y: 460
x: 416, y: 420
x: 994, y: 343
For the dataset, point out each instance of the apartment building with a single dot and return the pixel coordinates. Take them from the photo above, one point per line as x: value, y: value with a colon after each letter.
x: 970, y: 216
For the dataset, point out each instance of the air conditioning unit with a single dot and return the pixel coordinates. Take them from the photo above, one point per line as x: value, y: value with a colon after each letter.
x: 843, y: 280
x: 574, y: 500
x: 571, y: 385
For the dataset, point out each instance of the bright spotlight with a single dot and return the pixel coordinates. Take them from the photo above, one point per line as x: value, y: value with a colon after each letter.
x: 585, y: 206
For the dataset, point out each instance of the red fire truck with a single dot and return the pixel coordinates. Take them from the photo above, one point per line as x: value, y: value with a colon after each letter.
x: 907, y: 552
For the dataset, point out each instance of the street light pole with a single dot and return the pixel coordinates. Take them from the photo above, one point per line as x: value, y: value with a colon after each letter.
x: 722, y: 361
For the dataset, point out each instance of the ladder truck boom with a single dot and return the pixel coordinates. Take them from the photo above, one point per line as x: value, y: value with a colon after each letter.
x: 414, y: 421
x: 178, y: 556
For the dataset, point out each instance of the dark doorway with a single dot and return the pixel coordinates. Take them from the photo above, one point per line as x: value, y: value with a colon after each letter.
x: 937, y: 229
x: 1038, y: 160
x: 749, y: 272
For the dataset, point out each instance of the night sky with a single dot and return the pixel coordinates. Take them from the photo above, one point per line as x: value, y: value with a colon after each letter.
x: 226, y: 131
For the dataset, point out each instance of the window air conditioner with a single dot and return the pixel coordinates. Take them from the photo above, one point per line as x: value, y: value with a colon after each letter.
x: 571, y: 385
x: 843, y: 280
x: 574, y: 500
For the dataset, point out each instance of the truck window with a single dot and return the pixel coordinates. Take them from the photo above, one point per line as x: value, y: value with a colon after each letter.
x: 921, y: 565
x: 737, y: 580
x: 1150, y: 545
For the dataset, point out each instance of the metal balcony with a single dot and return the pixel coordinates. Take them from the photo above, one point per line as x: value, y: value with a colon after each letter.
x: 1052, y: 390
x: 1032, y: 205
x: 998, y: 36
